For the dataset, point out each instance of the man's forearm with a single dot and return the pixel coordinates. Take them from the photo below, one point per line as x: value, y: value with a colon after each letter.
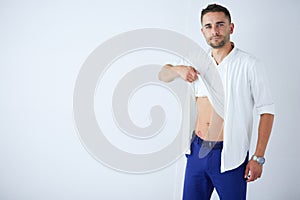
x: 264, y: 131
x: 167, y: 73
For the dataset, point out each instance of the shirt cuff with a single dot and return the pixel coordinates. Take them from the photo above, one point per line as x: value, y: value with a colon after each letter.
x: 270, y: 109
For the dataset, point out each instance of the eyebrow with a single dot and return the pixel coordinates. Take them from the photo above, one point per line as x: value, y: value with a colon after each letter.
x: 219, y: 22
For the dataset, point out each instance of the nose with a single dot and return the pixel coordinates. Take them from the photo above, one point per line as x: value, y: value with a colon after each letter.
x: 215, y: 30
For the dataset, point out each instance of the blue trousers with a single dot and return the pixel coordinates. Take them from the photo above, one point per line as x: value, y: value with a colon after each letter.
x: 203, y: 174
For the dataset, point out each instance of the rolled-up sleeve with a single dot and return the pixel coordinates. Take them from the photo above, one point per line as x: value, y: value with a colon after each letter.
x: 261, y: 94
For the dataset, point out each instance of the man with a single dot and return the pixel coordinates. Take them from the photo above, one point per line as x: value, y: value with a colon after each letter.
x: 225, y: 164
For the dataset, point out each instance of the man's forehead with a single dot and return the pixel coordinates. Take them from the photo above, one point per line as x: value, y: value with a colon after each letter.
x: 213, y: 17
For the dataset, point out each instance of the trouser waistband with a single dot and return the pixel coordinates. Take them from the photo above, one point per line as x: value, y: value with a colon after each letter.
x: 208, y: 144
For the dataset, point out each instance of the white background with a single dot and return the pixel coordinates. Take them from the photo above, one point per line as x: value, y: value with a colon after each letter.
x: 42, y: 47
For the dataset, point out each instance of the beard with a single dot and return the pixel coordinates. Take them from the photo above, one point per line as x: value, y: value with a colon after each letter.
x: 217, y: 45
x: 220, y: 44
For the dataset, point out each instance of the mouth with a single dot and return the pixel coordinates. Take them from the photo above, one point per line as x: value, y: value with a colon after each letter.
x: 215, y: 38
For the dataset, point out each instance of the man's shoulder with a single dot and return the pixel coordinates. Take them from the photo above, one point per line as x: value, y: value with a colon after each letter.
x: 243, y: 58
x: 241, y: 54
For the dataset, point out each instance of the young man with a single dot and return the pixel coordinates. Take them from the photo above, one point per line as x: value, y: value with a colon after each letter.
x: 225, y: 164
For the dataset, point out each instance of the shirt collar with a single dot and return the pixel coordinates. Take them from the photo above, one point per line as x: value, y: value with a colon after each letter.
x: 228, y: 57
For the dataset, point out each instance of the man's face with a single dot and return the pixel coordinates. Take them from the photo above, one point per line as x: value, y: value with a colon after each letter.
x: 216, y: 29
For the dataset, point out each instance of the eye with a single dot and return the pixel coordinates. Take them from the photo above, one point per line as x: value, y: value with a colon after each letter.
x: 208, y: 26
x: 221, y: 25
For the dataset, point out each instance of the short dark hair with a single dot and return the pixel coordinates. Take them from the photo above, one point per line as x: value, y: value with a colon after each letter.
x: 215, y: 8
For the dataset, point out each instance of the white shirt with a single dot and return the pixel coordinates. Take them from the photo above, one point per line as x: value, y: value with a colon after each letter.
x: 245, y: 88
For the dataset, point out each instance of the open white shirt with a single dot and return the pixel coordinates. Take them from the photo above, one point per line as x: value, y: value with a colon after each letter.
x: 245, y: 88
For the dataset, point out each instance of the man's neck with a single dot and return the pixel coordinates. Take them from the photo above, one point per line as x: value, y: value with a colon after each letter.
x: 220, y: 53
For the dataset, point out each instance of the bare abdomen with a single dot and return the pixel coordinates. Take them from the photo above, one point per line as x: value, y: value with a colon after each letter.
x: 209, y: 125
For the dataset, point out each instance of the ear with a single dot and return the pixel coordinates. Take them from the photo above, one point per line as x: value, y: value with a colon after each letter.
x: 202, y: 31
x: 231, y: 28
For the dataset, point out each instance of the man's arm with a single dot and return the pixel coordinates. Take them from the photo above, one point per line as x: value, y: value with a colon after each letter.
x: 169, y: 72
x: 264, y: 130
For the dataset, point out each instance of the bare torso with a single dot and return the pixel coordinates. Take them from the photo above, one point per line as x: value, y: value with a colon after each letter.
x: 209, y: 125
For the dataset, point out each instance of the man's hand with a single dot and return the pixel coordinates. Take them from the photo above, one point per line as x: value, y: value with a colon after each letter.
x: 169, y: 73
x: 264, y: 130
x: 187, y: 73
x: 253, y: 171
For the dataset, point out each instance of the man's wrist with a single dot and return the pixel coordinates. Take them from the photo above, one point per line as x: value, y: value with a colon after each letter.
x: 259, y: 159
x: 178, y: 69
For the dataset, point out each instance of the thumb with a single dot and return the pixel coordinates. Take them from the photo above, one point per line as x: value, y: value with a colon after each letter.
x: 195, y: 70
x: 247, y: 171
